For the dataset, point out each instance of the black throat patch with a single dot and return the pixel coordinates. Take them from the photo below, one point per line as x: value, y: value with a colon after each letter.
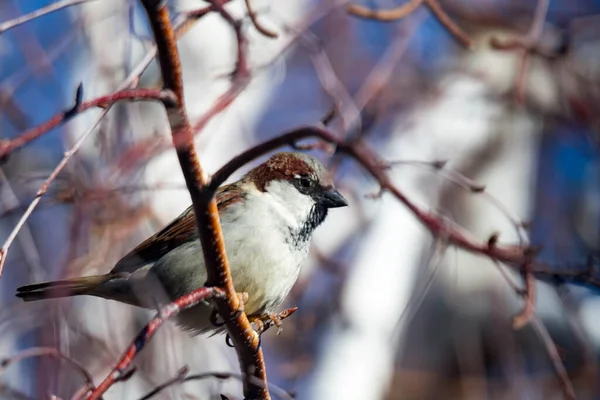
x: 299, y: 238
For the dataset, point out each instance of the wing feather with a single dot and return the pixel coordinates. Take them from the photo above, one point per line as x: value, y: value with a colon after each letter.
x: 182, y: 229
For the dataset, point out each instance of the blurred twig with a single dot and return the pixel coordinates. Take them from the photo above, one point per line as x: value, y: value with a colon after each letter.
x: 47, y: 352
x: 526, y: 46
x: 259, y: 27
x: 59, y: 5
x: 409, y: 8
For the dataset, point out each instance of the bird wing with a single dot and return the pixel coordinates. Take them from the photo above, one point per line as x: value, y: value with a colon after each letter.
x: 182, y: 229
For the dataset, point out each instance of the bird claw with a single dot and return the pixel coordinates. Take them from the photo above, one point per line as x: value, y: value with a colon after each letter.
x: 214, y: 316
x: 243, y: 299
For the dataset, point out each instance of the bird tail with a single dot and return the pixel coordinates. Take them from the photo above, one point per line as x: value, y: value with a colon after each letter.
x: 62, y: 288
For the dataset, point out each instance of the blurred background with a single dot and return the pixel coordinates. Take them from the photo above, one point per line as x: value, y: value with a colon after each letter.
x: 386, y: 310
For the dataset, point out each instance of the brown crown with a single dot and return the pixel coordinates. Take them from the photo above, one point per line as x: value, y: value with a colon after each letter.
x: 284, y: 166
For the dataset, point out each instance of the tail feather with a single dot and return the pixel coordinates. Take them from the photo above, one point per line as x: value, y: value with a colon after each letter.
x: 62, y: 288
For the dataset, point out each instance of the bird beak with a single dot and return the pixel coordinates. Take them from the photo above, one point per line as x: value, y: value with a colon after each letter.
x: 332, y: 199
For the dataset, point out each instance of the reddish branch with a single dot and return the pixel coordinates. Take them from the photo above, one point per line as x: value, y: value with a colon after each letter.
x: 168, y: 311
x: 246, y: 341
x: 9, y: 146
x: 408, y: 8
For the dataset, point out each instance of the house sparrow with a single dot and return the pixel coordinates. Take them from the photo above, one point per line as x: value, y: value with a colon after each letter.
x: 267, y: 218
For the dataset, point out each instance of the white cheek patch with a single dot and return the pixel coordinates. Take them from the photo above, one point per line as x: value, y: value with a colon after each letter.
x: 289, y: 202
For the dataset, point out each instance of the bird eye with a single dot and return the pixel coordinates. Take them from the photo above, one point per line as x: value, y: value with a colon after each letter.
x: 305, y: 182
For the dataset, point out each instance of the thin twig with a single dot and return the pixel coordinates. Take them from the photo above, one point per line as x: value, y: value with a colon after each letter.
x: 409, y: 8
x: 281, y: 393
x: 146, y: 334
x: 259, y: 27
x: 240, y: 79
x: 384, y: 15
x: 526, y: 45
x: 59, y: 5
x: 179, y: 378
x: 521, y: 319
x: 559, y: 368
x: 457, y: 32
x: 47, y: 352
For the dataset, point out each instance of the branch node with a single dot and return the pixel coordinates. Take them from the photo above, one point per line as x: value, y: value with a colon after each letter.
x: 126, y: 375
x: 439, y: 164
x: 169, y: 98
x: 71, y: 112
x: 493, y: 240
x: 376, y: 195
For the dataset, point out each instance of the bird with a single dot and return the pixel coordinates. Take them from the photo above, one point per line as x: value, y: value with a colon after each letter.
x: 267, y: 219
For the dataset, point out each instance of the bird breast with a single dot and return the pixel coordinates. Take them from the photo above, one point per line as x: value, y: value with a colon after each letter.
x: 262, y: 260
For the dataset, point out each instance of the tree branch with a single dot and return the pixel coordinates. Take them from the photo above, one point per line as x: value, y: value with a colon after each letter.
x: 7, y: 147
x: 246, y: 341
